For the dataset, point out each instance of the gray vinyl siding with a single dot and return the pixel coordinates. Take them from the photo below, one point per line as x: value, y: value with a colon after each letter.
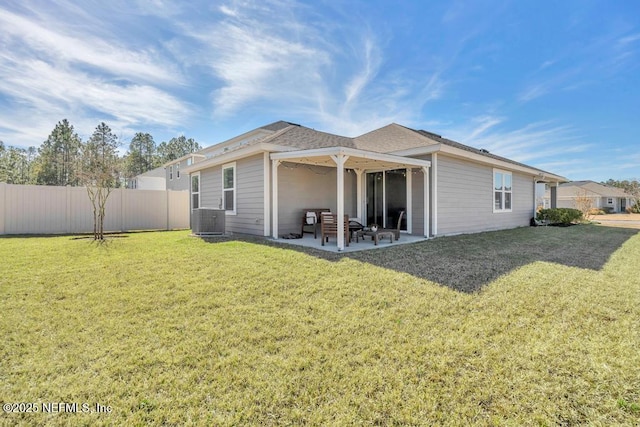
x: 314, y: 187
x: 465, y: 198
x: 177, y: 184
x: 249, y: 218
x: 211, y: 188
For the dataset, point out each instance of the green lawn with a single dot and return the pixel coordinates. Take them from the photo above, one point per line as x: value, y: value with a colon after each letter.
x: 169, y: 329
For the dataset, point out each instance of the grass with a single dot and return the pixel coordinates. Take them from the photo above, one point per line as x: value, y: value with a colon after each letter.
x: 172, y: 330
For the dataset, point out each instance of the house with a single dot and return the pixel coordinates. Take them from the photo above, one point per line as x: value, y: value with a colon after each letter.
x: 265, y: 178
x: 175, y: 179
x: 150, y: 180
x: 601, y: 196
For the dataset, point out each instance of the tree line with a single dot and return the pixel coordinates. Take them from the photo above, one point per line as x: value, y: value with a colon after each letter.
x: 59, y: 159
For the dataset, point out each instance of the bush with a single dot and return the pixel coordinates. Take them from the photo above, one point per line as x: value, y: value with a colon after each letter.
x: 597, y: 211
x: 607, y: 209
x: 560, y: 215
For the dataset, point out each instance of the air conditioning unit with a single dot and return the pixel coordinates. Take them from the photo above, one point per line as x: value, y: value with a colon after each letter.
x: 206, y: 221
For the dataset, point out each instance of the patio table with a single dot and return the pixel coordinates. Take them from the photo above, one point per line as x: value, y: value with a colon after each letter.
x: 375, y: 235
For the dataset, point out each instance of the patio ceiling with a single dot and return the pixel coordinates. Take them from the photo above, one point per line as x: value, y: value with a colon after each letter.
x: 355, y: 159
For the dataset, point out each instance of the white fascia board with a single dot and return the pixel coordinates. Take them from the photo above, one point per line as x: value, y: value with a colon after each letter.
x: 251, y: 135
x: 233, y: 156
x: 351, y: 152
x: 478, y: 158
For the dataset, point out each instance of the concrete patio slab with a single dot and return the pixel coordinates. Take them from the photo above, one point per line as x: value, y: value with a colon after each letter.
x: 364, y: 245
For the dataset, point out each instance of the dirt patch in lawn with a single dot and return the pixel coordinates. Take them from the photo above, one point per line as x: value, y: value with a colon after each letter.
x: 468, y: 262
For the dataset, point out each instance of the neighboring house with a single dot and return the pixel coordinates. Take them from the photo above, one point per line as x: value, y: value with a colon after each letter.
x: 602, y: 196
x: 150, y: 180
x: 172, y: 171
x: 265, y: 178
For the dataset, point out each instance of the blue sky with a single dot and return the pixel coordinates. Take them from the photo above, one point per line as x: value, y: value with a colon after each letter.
x: 552, y: 84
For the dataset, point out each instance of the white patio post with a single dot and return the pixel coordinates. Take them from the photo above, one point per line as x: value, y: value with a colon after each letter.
x: 425, y: 219
x: 266, y: 194
x: 434, y: 193
x: 274, y: 196
x: 359, y: 201
x: 409, y: 196
x: 535, y: 198
x: 340, y: 160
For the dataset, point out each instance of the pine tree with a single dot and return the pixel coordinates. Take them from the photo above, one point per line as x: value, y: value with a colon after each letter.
x: 141, y: 156
x: 176, y: 148
x: 59, y: 156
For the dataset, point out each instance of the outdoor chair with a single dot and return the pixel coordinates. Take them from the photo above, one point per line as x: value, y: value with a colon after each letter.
x: 311, y: 221
x: 395, y: 231
x: 329, y: 227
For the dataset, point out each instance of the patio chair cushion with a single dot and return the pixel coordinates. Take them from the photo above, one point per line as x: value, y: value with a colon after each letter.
x: 311, y: 218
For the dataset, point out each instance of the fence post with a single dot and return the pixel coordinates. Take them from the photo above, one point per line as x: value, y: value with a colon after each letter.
x: 3, y: 208
x: 68, y: 212
x: 121, y: 209
x: 168, y: 204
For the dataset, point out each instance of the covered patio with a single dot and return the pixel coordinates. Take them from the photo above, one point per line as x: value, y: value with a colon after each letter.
x: 361, y: 162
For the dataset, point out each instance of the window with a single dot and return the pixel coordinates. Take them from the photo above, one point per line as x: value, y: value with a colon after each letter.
x: 609, y: 201
x: 502, y: 191
x: 178, y: 171
x: 189, y: 161
x: 229, y: 188
x: 195, y: 190
x: 171, y: 173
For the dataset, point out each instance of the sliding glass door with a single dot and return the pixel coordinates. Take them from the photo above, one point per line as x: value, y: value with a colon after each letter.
x: 386, y: 195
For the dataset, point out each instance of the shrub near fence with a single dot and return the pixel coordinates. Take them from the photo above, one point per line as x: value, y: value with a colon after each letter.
x: 41, y: 209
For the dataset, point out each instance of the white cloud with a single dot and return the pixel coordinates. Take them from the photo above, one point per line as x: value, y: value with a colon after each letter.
x: 52, y: 68
x: 629, y: 39
x: 308, y: 70
x: 484, y: 123
x: 37, y: 39
x: 533, y: 92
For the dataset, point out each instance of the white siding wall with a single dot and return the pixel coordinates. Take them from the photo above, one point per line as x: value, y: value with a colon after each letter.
x: 465, y: 198
x: 39, y: 209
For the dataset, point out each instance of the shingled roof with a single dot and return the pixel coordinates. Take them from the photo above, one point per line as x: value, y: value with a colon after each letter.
x: 481, y: 152
x: 304, y: 138
x: 279, y: 125
x: 386, y: 140
x: 597, y: 188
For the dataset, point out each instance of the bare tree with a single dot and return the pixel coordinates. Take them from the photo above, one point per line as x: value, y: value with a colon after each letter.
x: 584, y: 203
x: 99, y: 173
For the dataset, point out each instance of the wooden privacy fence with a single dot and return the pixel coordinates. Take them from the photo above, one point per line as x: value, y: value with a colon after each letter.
x: 43, y: 209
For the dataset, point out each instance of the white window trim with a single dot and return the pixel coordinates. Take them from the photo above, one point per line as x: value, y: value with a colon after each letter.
x: 177, y: 170
x: 610, y: 201
x: 199, y: 193
x: 493, y: 191
x: 235, y: 188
